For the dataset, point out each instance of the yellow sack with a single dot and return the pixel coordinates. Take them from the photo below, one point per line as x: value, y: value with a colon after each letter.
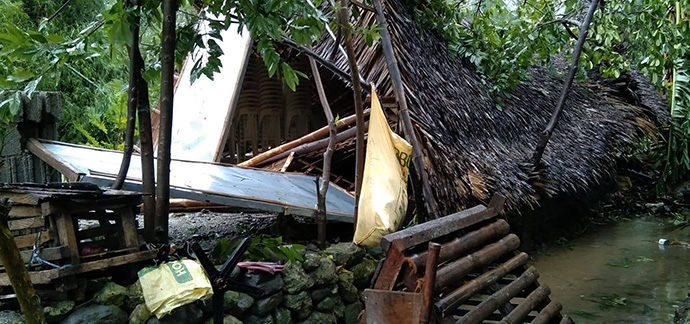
x: 383, y: 199
x: 173, y: 284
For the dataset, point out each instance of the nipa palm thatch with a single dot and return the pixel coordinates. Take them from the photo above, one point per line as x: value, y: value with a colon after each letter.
x: 473, y: 149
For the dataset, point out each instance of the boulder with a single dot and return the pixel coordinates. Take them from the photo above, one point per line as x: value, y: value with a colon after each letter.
x: 253, y: 319
x: 282, y: 316
x: 10, y: 317
x: 236, y: 303
x: 339, y: 308
x: 326, y: 305
x: 352, y: 313
x: 311, y: 261
x: 57, y: 311
x: 139, y: 315
x: 111, y: 294
x: 97, y: 314
x: 187, y: 314
x: 295, y: 279
x: 228, y: 319
x: 345, y: 253
x: 269, y: 283
x: 319, y: 318
x: 321, y: 293
x: 346, y: 288
x: 135, y: 296
x: 682, y: 315
x: 376, y: 252
x: 325, y: 274
x: 267, y: 305
x: 363, y: 272
x: 300, y: 304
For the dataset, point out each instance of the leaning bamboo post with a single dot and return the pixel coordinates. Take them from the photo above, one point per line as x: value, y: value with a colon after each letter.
x: 429, y: 282
x: 404, y: 112
x: 17, y: 272
x: 323, y: 184
x: 551, y: 126
x: 344, y: 15
x: 489, y: 305
x: 311, y: 137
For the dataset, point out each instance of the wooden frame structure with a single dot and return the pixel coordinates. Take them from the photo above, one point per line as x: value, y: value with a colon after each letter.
x: 480, y: 277
x: 45, y: 222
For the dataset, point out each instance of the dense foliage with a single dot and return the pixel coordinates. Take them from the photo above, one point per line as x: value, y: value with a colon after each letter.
x: 503, y: 38
x: 81, y: 50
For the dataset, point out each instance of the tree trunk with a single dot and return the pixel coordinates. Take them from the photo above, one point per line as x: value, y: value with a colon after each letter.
x: 404, y: 113
x: 166, y: 115
x: 131, y: 110
x: 327, y: 156
x: 548, y: 131
x: 144, y: 114
x: 344, y: 17
x: 17, y: 272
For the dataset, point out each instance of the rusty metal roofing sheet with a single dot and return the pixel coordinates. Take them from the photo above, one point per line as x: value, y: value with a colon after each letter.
x: 292, y: 193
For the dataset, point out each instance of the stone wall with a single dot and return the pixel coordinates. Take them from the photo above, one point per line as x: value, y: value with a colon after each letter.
x: 324, y: 288
x: 37, y: 117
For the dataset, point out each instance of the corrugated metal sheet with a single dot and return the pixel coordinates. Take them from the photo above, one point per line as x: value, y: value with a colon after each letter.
x: 224, y: 184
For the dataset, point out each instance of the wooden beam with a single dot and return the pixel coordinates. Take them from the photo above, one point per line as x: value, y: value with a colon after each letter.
x: 66, y: 235
x: 25, y: 211
x: 54, y: 161
x: 404, y: 113
x: 28, y: 240
x: 428, y: 231
x: 26, y: 223
x: 48, y: 254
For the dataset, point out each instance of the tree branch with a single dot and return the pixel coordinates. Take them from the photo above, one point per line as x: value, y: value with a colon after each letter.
x: 64, y: 5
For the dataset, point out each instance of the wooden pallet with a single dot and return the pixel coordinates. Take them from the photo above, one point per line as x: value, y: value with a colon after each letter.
x: 54, y: 211
x: 480, y: 278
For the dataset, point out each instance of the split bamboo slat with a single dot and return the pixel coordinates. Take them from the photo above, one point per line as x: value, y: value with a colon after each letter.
x: 480, y: 277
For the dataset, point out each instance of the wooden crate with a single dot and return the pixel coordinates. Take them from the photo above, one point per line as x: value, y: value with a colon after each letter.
x: 55, y: 211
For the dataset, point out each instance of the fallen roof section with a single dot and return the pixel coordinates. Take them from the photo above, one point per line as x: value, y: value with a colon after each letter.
x: 288, y: 193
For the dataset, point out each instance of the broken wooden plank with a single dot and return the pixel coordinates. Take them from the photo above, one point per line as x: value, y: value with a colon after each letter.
x: 24, y: 211
x: 29, y: 240
x: 66, y: 235
x: 431, y: 230
x: 108, y: 263
x: 48, y: 254
x: 74, y: 207
x: 27, y: 223
x: 392, y: 307
x: 390, y: 270
x: 37, y: 277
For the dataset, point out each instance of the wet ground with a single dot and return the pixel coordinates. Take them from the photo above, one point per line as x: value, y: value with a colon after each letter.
x: 619, y: 274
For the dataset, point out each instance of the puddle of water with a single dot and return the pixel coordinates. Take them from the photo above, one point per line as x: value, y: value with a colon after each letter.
x: 619, y: 274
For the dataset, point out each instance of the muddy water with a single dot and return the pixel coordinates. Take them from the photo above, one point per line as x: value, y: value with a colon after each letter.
x: 619, y: 274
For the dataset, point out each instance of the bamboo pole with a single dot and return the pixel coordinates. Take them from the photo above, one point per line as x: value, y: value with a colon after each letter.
x: 344, y: 17
x: 313, y: 146
x: 492, y: 303
x: 455, y: 271
x: 131, y: 109
x: 166, y: 119
x: 519, y: 313
x: 17, y: 272
x: 429, y: 282
x: 548, y: 313
x: 454, y: 299
x: 311, y: 137
x: 566, y: 320
x: 460, y: 245
x: 551, y: 126
x: 404, y: 114
x: 324, y: 182
x: 145, y: 138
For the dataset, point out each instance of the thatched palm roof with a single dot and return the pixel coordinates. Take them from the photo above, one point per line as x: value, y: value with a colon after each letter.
x: 473, y: 149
